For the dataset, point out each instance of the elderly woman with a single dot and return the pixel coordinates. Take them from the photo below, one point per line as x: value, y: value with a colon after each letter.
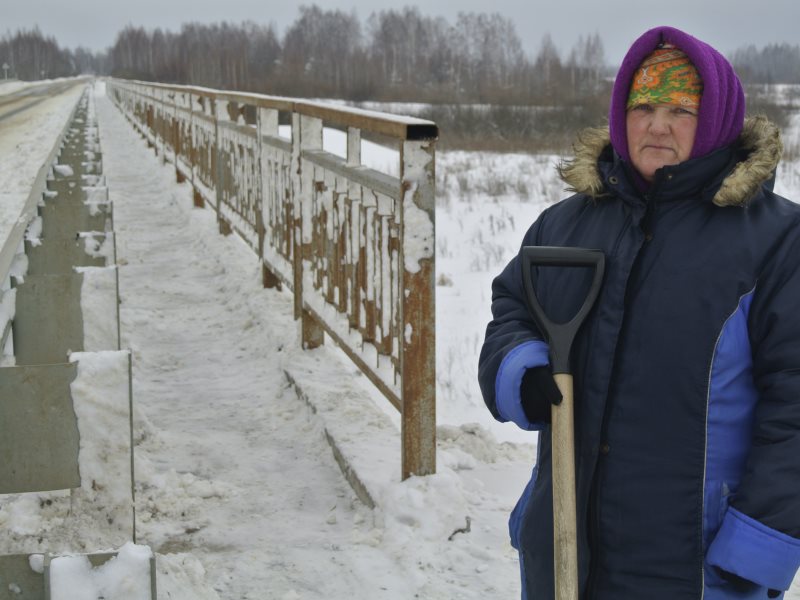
x: 687, y: 370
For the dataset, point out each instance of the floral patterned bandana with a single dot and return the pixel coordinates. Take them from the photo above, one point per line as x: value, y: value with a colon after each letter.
x: 666, y: 76
x: 721, y: 114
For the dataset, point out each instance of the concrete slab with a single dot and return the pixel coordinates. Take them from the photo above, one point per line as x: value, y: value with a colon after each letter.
x: 48, y: 323
x: 66, y: 219
x: 59, y: 256
x: 39, y: 441
x: 64, y: 188
x: 18, y: 581
x: 98, y: 510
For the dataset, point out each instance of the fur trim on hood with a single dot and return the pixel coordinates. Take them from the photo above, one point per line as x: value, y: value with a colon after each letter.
x: 760, y: 137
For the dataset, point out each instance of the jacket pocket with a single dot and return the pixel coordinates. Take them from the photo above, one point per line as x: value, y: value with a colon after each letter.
x: 717, y: 498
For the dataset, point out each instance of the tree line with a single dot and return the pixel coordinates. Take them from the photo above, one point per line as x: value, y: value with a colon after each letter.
x: 394, y: 55
x: 775, y: 63
x: 31, y: 55
x: 456, y: 67
x: 399, y: 55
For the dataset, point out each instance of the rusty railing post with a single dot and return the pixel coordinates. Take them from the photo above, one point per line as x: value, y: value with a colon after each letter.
x: 195, y: 148
x: 177, y: 141
x: 158, y: 111
x: 267, y: 125
x: 163, y: 127
x: 306, y: 135
x: 418, y: 358
x: 219, y: 172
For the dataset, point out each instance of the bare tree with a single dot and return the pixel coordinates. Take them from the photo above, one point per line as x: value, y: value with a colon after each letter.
x: 31, y: 55
x: 775, y: 63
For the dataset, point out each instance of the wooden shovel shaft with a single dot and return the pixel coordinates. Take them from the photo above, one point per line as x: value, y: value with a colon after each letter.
x: 565, y: 530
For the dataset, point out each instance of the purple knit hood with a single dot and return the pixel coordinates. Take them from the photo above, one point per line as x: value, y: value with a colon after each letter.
x: 721, y: 115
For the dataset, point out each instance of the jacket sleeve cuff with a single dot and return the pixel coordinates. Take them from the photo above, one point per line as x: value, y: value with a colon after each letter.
x: 754, y: 551
x: 509, y: 379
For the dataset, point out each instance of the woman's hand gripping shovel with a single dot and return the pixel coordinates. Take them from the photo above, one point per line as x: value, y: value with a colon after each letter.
x: 560, y: 336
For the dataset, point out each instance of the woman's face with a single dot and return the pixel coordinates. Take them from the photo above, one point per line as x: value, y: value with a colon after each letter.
x: 659, y: 135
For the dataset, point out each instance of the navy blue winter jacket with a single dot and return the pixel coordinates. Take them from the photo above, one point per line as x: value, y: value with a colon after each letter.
x: 687, y: 376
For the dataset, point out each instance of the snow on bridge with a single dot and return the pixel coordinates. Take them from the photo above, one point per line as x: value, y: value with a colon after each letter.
x: 236, y: 488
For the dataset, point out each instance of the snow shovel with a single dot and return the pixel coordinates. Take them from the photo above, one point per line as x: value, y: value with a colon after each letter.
x: 560, y: 336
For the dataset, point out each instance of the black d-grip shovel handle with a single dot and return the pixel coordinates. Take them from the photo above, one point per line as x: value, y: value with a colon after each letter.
x: 561, y: 335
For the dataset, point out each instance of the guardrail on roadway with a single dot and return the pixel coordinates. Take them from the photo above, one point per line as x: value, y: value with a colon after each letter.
x: 355, y: 245
x: 13, y: 247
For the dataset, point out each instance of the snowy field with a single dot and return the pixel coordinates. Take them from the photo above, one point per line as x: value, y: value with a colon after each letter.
x: 237, y: 490
x: 13, y: 85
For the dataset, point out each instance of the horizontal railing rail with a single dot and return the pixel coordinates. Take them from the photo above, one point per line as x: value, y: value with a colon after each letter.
x: 354, y: 244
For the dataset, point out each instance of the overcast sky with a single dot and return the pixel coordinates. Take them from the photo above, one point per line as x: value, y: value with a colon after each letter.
x: 726, y: 24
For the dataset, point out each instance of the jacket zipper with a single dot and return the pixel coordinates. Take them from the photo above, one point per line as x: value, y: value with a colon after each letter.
x: 649, y: 217
x: 594, y: 527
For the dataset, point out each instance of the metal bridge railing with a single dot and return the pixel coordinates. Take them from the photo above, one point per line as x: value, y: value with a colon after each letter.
x: 355, y: 245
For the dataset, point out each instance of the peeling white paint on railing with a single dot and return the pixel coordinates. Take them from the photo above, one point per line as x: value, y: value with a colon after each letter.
x: 355, y: 245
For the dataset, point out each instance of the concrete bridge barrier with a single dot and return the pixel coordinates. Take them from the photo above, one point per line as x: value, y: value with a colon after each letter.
x: 66, y: 447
